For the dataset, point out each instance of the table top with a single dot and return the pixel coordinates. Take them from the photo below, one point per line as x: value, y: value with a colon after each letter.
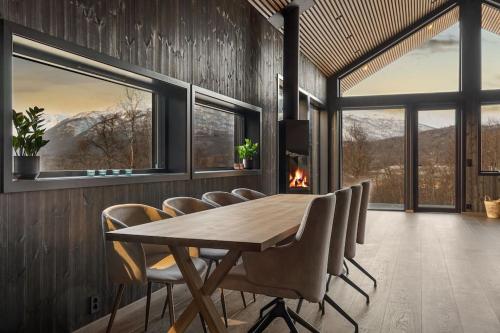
x: 248, y: 226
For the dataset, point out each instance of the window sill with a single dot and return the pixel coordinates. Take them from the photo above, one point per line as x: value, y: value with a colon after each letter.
x: 225, y: 173
x: 42, y: 184
x: 489, y: 173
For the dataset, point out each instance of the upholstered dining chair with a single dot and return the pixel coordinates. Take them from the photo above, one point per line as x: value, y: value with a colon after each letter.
x: 361, y: 230
x: 247, y: 194
x: 295, y: 270
x: 221, y: 198
x: 336, y: 249
x: 352, y: 230
x: 133, y: 263
x: 186, y: 205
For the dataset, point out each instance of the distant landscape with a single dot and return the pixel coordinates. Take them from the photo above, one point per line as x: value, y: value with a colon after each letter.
x: 117, y: 138
x: 374, y: 149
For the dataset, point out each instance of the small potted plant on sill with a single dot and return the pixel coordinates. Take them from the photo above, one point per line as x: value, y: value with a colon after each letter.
x: 246, y: 153
x: 27, y: 142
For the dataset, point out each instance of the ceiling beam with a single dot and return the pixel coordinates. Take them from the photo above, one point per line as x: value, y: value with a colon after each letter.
x: 443, y: 9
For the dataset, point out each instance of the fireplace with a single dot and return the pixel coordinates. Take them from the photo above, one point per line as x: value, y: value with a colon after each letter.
x: 295, y: 163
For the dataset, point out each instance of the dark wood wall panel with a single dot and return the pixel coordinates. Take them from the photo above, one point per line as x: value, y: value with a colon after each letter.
x: 51, y: 253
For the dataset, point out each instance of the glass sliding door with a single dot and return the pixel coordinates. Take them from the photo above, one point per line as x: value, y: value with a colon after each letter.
x: 373, y: 147
x: 436, y: 158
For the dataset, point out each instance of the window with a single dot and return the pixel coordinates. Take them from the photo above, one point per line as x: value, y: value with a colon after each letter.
x: 490, y: 48
x: 91, y: 123
x: 490, y: 138
x: 219, y: 124
x: 216, y: 133
x: 373, y: 147
x: 99, y: 113
x: 427, y: 61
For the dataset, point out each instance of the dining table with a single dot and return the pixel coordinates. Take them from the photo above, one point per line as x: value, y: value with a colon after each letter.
x: 254, y: 225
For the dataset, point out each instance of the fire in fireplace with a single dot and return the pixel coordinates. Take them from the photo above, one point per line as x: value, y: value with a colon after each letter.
x: 298, y: 178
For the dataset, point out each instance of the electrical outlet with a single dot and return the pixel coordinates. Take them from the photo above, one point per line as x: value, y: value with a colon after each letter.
x: 95, y: 304
x: 468, y: 206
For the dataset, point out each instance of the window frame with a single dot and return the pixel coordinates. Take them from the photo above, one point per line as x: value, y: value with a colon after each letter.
x: 253, y: 129
x: 487, y: 97
x: 492, y: 97
x: 94, y: 64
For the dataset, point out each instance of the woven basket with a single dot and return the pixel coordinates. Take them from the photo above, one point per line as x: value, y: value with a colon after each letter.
x: 492, y: 208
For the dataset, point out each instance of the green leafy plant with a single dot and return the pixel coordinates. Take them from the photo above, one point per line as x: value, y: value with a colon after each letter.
x: 248, y: 149
x: 30, y: 129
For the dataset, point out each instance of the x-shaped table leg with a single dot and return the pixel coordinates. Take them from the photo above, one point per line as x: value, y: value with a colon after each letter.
x: 201, y: 291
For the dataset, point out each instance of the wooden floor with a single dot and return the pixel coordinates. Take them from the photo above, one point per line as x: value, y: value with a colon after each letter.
x: 436, y: 273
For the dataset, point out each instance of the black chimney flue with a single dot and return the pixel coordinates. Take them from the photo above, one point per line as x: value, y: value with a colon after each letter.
x: 291, y: 16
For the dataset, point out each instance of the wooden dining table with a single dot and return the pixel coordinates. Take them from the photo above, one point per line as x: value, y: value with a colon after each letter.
x: 248, y: 226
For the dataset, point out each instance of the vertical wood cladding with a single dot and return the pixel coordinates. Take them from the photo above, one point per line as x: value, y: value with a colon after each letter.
x: 51, y: 253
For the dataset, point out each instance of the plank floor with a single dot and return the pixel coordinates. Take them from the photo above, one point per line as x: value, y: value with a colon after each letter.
x: 436, y: 273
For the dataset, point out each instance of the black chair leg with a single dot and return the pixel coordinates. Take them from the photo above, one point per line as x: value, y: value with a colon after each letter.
x: 148, y: 304
x: 299, y: 306
x: 301, y: 321
x: 342, y: 312
x: 203, y: 324
x: 254, y: 299
x: 243, y: 299
x: 281, y: 311
x: 222, y: 301
x: 116, y: 305
x: 364, y: 271
x: 171, y: 310
x: 346, y: 268
x: 355, y: 286
x: 328, y: 282
x: 267, y: 306
x: 210, y: 262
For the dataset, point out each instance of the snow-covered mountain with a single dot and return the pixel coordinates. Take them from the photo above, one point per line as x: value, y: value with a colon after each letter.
x: 378, y: 128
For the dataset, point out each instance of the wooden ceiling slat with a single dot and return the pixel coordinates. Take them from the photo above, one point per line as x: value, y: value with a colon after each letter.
x: 491, y: 19
x: 334, y: 33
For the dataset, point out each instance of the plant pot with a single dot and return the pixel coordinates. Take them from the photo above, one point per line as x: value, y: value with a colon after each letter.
x: 248, y: 163
x: 26, y: 167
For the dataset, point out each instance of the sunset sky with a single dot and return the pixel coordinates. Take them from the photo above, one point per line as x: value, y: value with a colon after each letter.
x: 63, y: 92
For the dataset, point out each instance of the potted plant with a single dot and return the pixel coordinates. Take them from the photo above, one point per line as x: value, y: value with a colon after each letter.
x: 246, y: 153
x: 27, y: 142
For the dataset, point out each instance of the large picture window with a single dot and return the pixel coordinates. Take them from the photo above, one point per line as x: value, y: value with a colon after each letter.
x: 107, y: 122
x: 373, y: 147
x: 90, y: 123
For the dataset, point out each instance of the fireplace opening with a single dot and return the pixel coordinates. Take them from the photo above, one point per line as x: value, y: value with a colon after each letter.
x: 298, y: 173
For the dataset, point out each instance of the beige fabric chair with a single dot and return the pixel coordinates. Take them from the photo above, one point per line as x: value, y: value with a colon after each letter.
x: 248, y: 194
x: 361, y: 230
x: 186, y: 205
x: 133, y: 263
x: 295, y: 270
x: 220, y: 198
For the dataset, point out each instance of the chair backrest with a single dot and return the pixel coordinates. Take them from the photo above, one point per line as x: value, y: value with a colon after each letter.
x: 247, y: 194
x: 352, y: 225
x: 220, y: 198
x: 126, y: 262
x: 184, y: 205
x: 363, y: 210
x: 300, y: 265
x: 339, y: 229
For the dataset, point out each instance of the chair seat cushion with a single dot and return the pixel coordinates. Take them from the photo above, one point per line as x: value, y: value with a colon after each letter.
x: 171, y: 273
x: 213, y: 254
x: 237, y: 279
